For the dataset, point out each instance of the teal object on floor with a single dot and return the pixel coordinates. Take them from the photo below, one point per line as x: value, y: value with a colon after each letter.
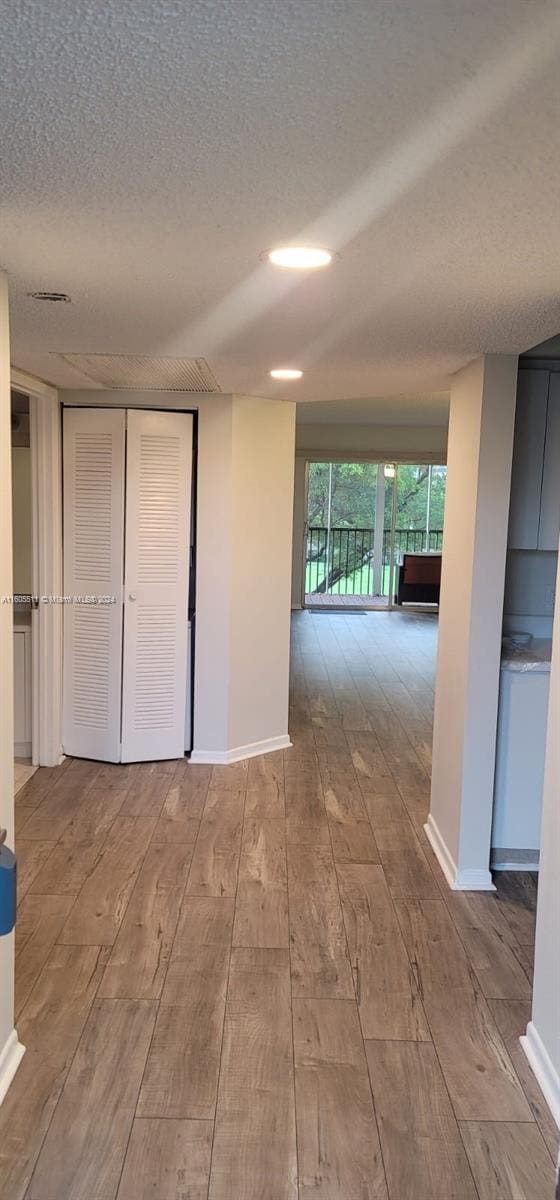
x: 8, y: 890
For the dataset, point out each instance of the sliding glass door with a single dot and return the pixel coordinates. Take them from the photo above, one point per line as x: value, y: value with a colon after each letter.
x: 362, y: 518
x: 416, y: 534
x: 348, y: 507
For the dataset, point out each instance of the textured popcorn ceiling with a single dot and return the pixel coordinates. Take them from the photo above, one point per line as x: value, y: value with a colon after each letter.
x: 152, y: 149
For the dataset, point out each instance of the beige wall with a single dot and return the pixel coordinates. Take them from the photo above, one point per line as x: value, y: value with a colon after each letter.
x: 542, y: 1044
x: 480, y: 448
x: 263, y: 469
x: 244, y: 546
x: 9, y: 1050
x: 214, y: 572
x: 407, y: 443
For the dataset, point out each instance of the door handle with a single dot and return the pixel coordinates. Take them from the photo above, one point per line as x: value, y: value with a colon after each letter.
x: 131, y: 596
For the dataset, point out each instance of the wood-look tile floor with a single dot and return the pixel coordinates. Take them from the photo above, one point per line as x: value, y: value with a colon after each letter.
x: 252, y: 982
x: 23, y: 770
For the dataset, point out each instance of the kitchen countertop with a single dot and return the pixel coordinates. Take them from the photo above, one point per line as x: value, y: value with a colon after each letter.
x: 534, y: 657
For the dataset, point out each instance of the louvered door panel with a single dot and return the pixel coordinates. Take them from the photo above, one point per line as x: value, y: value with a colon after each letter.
x: 159, y: 465
x: 94, y: 455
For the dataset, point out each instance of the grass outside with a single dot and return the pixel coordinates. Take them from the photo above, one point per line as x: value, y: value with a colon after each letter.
x: 357, y: 583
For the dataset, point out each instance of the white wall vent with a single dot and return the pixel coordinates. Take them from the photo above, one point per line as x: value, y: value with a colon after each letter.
x: 140, y: 372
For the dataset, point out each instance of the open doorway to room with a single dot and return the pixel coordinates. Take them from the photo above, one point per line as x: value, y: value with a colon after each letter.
x: 374, y: 534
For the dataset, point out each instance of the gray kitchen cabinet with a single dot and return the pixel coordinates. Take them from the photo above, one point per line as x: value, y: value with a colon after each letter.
x: 549, y: 524
x: 534, y: 516
x: 528, y: 458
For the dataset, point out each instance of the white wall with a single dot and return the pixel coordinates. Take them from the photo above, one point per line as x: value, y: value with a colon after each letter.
x: 244, y: 546
x: 407, y: 443
x: 482, y: 413
x: 542, y: 1044
x: 10, y: 1051
x: 262, y: 494
x: 21, y: 512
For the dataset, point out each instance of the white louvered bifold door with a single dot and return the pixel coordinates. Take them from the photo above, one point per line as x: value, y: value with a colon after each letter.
x: 94, y: 449
x: 158, y: 495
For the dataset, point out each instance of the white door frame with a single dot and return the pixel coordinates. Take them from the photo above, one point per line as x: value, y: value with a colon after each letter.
x: 46, y: 615
x: 305, y: 532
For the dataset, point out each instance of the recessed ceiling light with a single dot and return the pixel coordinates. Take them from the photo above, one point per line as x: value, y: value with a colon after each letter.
x: 300, y: 258
x: 51, y: 297
x: 286, y: 373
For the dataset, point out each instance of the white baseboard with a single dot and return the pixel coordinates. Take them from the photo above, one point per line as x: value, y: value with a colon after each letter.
x: 543, y: 1069
x: 252, y: 750
x: 55, y: 761
x: 439, y: 847
x: 471, y: 880
x: 468, y: 880
x: 516, y: 865
x: 22, y: 749
x: 10, y: 1058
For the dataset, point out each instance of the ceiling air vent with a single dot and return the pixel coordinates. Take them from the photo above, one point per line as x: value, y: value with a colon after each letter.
x: 51, y: 297
x: 126, y: 372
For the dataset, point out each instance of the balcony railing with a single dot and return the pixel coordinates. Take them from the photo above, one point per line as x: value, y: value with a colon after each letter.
x: 341, y: 562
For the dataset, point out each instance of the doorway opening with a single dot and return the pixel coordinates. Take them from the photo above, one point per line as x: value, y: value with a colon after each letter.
x: 374, y: 534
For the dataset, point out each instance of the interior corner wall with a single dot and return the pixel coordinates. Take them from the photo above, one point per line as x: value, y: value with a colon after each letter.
x: 455, y: 600
x: 244, y: 549
x: 213, y: 575
x: 10, y: 1050
x: 480, y: 450
x: 262, y: 501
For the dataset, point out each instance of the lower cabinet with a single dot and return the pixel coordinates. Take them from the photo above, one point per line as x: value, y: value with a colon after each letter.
x: 519, y: 778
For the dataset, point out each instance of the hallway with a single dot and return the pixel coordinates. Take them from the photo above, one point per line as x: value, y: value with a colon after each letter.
x: 252, y: 982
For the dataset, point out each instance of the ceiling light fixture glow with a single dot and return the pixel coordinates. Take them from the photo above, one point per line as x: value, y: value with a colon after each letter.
x: 286, y: 373
x: 300, y: 258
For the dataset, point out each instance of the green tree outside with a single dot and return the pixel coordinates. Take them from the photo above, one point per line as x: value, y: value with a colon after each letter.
x: 353, y: 496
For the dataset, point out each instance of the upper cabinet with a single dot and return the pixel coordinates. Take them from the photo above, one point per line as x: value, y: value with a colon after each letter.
x: 549, y: 525
x: 534, y: 517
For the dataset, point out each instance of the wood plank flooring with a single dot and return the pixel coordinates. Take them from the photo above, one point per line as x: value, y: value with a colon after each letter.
x: 23, y: 770
x: 252, y: 982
